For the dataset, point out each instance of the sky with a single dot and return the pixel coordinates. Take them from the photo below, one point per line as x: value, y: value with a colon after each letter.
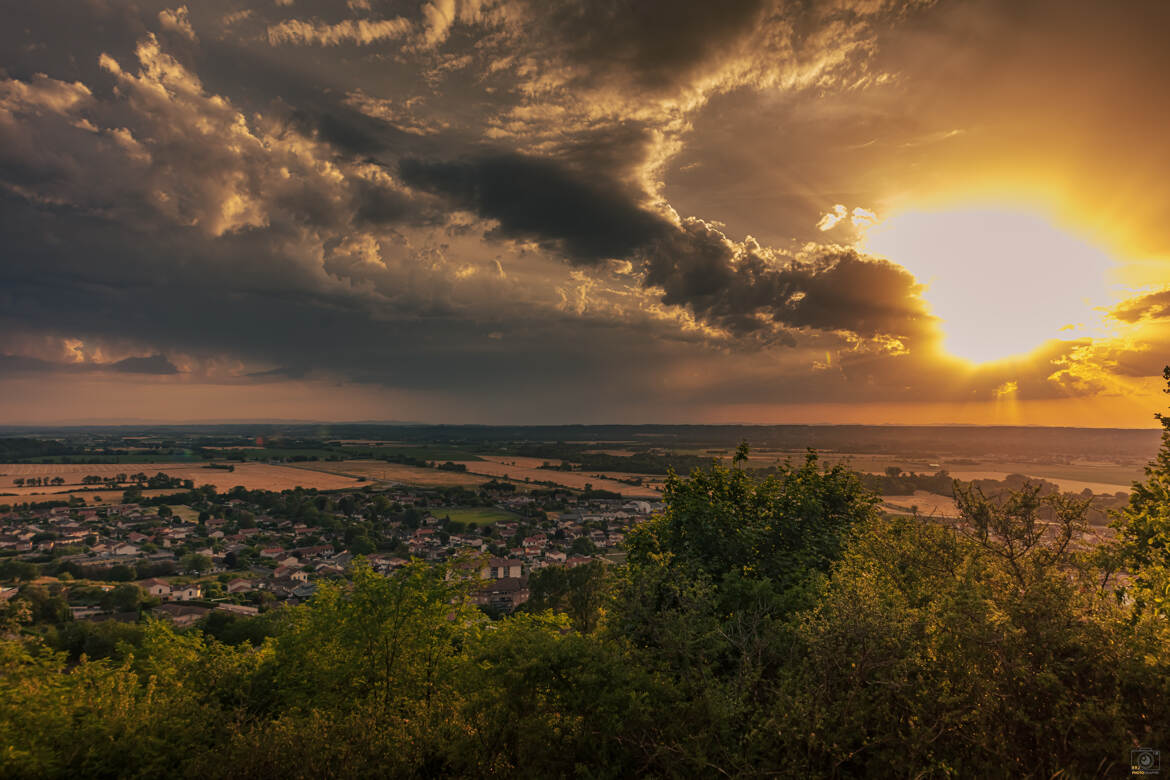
x: 585, y: 211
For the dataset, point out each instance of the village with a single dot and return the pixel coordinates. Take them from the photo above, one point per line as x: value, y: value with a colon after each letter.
x: 243, y: 553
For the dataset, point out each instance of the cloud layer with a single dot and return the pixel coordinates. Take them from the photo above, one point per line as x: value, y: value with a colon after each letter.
x: 464, y: 200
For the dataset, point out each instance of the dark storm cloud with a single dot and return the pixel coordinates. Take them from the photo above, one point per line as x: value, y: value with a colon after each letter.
x: 65, y: 38
x: 157, y: 365
x: 738, y: 287
x: 357, y: 135
x: 264, y: 314
x: 539, y: 200
x: 377, y: 204
x: 742, y: 287
x: 657, y: 43
x: 154, y: 364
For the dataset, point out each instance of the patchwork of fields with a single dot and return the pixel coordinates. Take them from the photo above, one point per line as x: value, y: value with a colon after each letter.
x: 380, y: 471
x: 253, y: 476
x: 1099, y: 477
x: 520, y: 469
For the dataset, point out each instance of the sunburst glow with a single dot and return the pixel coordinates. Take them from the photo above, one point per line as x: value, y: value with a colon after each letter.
x: 1003, y: 282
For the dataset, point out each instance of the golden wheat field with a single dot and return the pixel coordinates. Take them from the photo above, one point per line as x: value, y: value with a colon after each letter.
x: 90, y: 497
x: 379, y: 471
x: 519, y: 469
x: 928, y: 504
x: 253, y: 476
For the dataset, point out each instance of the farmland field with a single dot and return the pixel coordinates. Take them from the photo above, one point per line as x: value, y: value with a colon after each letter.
x: 1098, y: 476
x: 519, y: 469
x: 1067, y: 485
x: 253, y: 476
x: 928, y: 504
x: 380, y: 471
x: 185, y: 513
x: 90, y: 497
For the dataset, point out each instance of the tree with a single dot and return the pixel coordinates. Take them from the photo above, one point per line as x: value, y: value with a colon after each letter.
x: 21, y: 571
x: 195, y: 563
x: 582, y: 545
x: 1143, y: 529
x: 723, y: 522
x: 121, y: 573
x: 580, y: 592
x: 971, y: 651
x: 123, y: 598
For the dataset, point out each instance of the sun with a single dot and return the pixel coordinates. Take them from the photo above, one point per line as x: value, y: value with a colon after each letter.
x: 1003, y: 282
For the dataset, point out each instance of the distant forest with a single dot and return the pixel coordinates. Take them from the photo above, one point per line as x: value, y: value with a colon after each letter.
x: 1101, y: 443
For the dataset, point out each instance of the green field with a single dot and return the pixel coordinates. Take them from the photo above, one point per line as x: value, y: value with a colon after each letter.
x: 170, y: 456
x: 345, y: 453
x: 186, y: 513
x: 477, y: 515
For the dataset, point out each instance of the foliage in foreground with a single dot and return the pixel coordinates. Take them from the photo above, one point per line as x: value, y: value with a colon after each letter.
x: 760, y: 627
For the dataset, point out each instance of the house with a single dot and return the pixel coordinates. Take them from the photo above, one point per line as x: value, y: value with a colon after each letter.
x: 180, y: 614
x: 290, y: 572
x: 15, y: 543
x: 500, y: 568
x: 505, y: 593
x: 238, y: 609
x: 156, y: 587
x: 239, y: 585
x: 305, y: 590
x: 283, y: 588
x: 186, y: 592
